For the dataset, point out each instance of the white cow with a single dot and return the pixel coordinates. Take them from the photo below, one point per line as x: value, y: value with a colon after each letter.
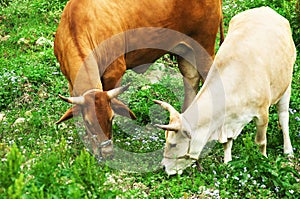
x: 251, y: 71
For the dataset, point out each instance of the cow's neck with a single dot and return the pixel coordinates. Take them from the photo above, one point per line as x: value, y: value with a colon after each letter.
x: 206, y: 113
x: 87, y: 77
x: 214, y: 115
x: 196, y: 119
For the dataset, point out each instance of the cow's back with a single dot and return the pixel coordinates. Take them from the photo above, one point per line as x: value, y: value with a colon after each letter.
x: 258, y: 52
x: 85, y: 24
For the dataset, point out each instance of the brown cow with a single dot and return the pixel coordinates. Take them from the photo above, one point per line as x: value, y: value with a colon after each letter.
x: 96, y: 41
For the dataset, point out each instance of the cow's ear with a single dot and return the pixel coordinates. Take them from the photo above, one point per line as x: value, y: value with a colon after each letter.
x: 74, y: 111
x: 121, y: 109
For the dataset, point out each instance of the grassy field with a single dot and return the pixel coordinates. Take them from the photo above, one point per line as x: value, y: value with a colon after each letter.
x: 41, y: 160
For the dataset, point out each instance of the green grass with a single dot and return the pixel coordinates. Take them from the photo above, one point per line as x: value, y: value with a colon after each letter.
x: 41, y: 160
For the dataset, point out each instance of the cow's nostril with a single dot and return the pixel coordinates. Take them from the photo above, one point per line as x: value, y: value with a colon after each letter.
x: 107, y: 152
x: 107, y: 156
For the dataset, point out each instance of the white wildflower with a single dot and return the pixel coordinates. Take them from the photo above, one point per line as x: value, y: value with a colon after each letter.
x: 145, y: 87
x: 207, y: 192
x: 69, y: 141
x: 291, y: 191
x: 217, y: 184
x: 6, y: 37
x: 216, y: 193
x: 19, y: 121
x: 43, y: 41
x: 28, y: 113
x: 23, y: 41
x: 127, y: 143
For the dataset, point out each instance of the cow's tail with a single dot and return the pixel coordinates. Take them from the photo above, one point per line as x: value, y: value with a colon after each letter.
x: 221, y: 32
x: 221, y: 26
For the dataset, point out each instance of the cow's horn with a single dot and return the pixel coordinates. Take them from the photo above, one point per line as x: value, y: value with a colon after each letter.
x: 73, y: 100
x: 169, y: 127
x: 117, y: 91
x: 168, y: 107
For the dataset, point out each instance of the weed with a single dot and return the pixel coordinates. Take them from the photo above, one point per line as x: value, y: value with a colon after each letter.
x: 41, y: 160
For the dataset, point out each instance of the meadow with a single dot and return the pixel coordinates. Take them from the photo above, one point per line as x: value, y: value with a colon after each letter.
x: 39, y: 159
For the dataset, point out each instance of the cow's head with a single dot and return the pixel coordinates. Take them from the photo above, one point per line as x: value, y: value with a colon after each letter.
x: 177, y: 146
x: 97, y: 108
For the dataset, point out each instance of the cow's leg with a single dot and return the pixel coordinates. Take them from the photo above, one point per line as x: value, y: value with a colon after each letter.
x: 227, y: 150
x: 261, y: 131
x: 112, y: 76
x: 191, y: 80
x: 194, y: 63
x: 283, y: 116
x: 188, y: 69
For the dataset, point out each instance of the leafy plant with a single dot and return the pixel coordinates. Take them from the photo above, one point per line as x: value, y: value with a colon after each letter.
x: 12, y: 180
x: 41, y: 160
x: 4, y: 3
x: 289, y: 9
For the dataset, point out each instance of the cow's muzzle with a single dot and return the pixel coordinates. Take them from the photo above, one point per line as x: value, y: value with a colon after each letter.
x: 106, y: 149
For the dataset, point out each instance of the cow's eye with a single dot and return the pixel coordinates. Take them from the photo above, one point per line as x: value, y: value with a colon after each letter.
x: 187, y: 134
x: 172, y: 145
